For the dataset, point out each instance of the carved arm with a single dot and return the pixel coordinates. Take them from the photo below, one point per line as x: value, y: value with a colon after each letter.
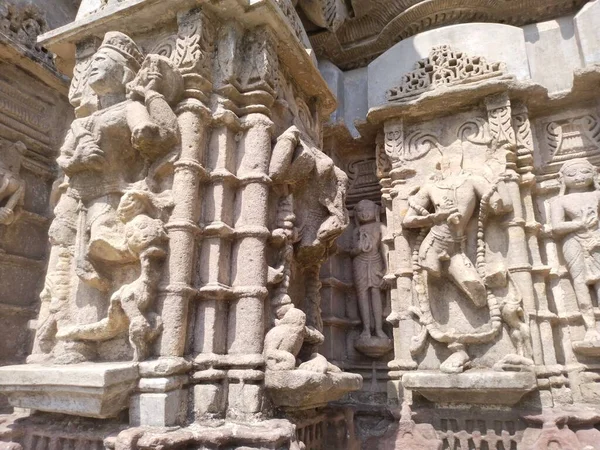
x: 560, y: 226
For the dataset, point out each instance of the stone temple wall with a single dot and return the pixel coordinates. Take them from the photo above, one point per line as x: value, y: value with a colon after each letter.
x: 229, y: 242
x: 34, y: 113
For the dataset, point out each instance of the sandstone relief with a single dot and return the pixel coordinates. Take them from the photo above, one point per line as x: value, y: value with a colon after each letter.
x: 370, y: 278
x: 12, y: 186
x: 229, y: 269
x: 574, y: 220
x: 119, y: 204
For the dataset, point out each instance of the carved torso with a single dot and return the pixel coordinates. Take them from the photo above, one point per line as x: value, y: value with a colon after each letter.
x: 110, y: 130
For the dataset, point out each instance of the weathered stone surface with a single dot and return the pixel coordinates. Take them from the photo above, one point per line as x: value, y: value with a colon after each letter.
x: 240, y: 272
x: 475, y: 387
x: 90, y: 390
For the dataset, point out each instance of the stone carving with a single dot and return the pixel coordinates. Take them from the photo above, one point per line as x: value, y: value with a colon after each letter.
x: 12, y: 186
x: 329, y: 14
x: 574, y: 137
x: 370, y: 269
x: 319, y: 205
x: 24, y: 24
x: 375, y: 26
x: 444, y: 67
x: 455, y: 196
x: 81, y: 95
x: 363, y: 181
x: 382, y: 159
x: 115, y: 203
x: 284, y: 341
x: 400, y: 149
x: 575, y: 221
x: 310, y: 216
x: 313, y: 380
x: 407, y: 434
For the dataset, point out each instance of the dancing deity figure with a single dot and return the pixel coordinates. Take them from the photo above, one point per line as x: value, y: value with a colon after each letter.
x: 369, y: 268
x: 454, y: 195
x: 574, y: 215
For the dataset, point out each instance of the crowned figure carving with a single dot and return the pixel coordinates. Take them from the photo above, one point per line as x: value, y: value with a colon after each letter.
x: 108, y: 236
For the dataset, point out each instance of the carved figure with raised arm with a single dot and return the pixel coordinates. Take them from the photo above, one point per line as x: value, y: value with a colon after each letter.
x: 112, y: 160
x: 445, y: 205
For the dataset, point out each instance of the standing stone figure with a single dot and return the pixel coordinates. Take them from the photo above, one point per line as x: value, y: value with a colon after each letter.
x: 575, y: 219
x: 369, y: 268
x: 113, y: 161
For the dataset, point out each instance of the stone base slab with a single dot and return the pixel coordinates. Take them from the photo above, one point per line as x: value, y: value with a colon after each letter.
x: 98, y: 390
x: 474, y: 387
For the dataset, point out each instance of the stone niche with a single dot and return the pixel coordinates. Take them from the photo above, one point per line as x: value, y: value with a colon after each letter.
x: 194, y: 212
x: 490, y: 191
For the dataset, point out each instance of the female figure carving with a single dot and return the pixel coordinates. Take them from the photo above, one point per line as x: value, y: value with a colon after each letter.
x: 574, y: 216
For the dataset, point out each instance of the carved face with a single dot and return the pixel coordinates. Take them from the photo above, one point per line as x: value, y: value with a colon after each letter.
x: 106, y: 72
x: 579, y: 175
x: 365, y: 211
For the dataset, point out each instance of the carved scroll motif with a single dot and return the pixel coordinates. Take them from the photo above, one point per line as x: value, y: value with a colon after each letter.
x: 444, y: 67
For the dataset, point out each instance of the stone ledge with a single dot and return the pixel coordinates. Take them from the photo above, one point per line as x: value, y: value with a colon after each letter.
x: 475, y: 387
x: 98, y: 390
x: 303, y: 389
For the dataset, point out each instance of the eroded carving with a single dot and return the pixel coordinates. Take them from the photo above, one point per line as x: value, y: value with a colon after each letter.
x: 454, y: 195
x: 370, y: 269
x: 115, y: 203
x: 12, y: 186
x: 25, y: 24
x: 575, y: 221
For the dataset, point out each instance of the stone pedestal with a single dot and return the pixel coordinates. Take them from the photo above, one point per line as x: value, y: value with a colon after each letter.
x: 474, y: 387
x: 91, y: 390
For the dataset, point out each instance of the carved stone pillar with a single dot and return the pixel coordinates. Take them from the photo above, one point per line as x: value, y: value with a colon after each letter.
x: 192, y: 226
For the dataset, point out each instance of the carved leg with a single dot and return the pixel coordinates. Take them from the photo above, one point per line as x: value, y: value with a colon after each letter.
x: 584, y: 299
x: 377, y: 312
x: 458, y: 361
x: 107, y: 328
x: 365, y: 311
x: 462, y: 272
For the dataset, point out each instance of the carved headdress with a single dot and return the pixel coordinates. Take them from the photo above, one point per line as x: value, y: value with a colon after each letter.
x: 575, y: 162
x: 125, y: 47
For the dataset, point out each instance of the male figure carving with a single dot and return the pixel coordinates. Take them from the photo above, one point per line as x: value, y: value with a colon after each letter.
x: 454, y: 195
x: 111, y: 159
x: 369, y: 266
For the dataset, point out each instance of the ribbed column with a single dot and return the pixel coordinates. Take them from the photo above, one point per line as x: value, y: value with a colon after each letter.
x: 249, y: 264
